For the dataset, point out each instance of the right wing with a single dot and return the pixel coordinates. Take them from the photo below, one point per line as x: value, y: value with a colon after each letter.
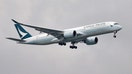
x: 58, y: 34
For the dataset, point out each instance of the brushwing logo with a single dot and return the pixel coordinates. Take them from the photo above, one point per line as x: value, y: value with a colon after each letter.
x: 22, y: 34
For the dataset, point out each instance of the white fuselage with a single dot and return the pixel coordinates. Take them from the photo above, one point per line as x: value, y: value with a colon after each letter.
x: 84, y: 31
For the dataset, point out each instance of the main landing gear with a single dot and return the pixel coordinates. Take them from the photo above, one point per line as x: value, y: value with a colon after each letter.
x: 73, y: 45
x: 62, y: 43
x: 115, y: 34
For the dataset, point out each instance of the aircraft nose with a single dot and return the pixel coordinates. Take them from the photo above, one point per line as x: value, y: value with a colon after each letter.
x: 120, y: 27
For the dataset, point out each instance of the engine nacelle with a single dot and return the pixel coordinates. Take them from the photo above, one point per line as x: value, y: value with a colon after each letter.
x: 70, y: 34
x: 91, y: 40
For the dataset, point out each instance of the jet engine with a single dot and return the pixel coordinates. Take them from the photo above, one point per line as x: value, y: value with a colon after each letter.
x: 91, y: 40
x: 70, y: 34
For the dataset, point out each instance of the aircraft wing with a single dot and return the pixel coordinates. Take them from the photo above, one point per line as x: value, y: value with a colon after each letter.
x: 58, y: 34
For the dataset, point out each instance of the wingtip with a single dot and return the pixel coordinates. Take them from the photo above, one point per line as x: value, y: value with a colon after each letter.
x: 14, y: 21
x: 7, y: 38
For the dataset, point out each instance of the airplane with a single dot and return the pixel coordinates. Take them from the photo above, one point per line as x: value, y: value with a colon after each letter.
x: 86, y: 34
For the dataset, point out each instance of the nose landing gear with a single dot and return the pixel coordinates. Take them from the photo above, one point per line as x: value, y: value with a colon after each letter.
x: 115, y: 34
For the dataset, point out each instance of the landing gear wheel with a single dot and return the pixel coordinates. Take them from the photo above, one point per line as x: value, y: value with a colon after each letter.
x: 62, y: 43
x: 115, y: 34
x: 73, y: 46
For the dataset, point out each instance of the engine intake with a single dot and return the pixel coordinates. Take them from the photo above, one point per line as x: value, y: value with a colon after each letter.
x: 70, y: 34
x: 91, y: 40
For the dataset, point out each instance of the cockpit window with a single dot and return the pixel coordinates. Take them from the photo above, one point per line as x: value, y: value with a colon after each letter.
x: 115, y: 23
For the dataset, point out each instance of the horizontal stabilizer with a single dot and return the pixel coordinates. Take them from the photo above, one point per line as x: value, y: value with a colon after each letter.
x: 14, y: 39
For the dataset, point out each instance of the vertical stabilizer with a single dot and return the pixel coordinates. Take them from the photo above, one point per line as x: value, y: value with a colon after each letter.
x: 21, y: 31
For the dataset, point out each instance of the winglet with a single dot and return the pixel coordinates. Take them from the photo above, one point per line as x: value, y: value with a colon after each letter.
x: 14, y: 21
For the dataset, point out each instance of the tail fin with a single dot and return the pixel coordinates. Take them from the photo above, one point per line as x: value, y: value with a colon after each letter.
x: 21, y: 31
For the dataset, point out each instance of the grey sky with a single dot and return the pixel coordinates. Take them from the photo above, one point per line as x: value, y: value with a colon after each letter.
x: 109, y: 56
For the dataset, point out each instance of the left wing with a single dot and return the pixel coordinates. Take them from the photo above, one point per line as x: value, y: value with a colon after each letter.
x: 58, y: 34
